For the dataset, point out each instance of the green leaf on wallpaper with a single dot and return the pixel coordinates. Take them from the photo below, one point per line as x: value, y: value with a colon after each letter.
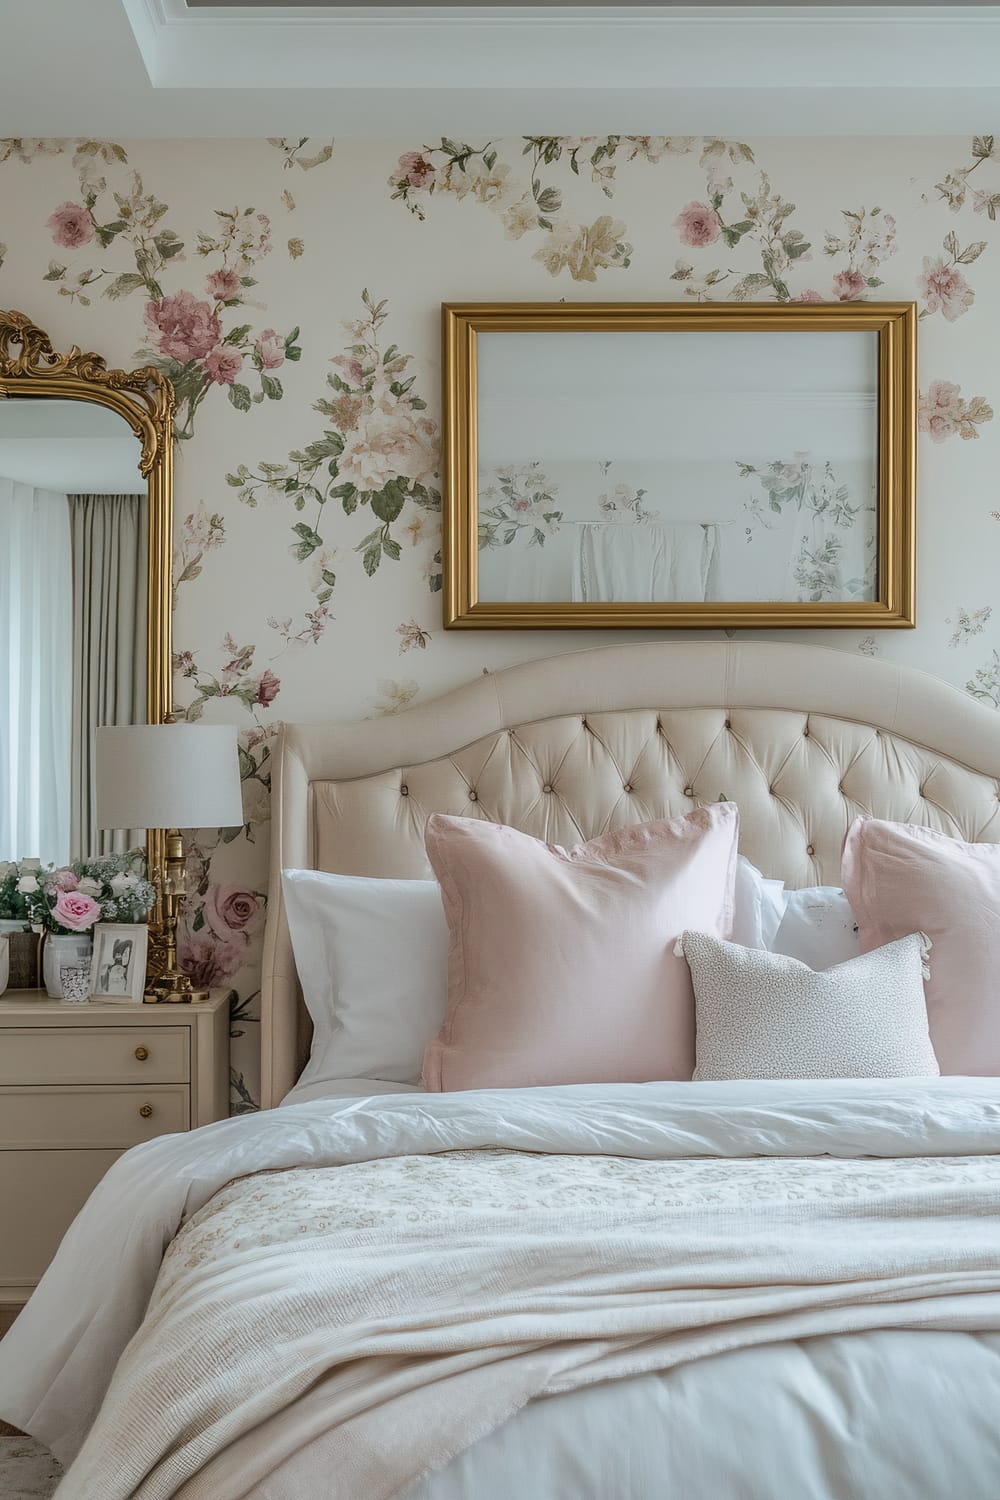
x: 199, y: 921
x: 310, y: 540
x: 428, y: 499
x: 329, y: 578
x: 127, y: 282
x: 873, y: 281
x: 167, y: 243
x: 238, y: 334
x: 418, y: 404
x: 248, y: 281
x: 247, y: 767
x: 300, y: 502
x: 951, y: 243
x: 56, y: 272
x: 489, y: 160
x: 392, y: 549
x: 389, y: 501
x: 330, y: 445
x: 982, y: 146
x: 347, y: 494
x: 392, y: 349
x: 372, y: 558
x: 971, y: 252
x: 239, y: 397
x: 753, y: 282
x: 106, y: 233
x: 549, y: 200
x: 271, y: 386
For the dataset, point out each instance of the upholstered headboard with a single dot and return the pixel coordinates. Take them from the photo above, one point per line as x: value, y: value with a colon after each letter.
x: 803, y: 738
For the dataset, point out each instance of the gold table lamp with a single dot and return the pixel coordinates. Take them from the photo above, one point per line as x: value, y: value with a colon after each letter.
x: 169, y: 776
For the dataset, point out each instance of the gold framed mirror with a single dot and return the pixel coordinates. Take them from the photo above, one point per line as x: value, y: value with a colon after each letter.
x: 675, y: 465
x: 60, y: 427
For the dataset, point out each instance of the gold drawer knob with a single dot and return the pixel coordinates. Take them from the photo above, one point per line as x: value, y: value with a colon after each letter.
x: 141, y: 1053
x: 146, y: 1110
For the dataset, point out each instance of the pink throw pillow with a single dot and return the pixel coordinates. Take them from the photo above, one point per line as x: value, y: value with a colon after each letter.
x: 561, y: 963
x: 900, y: 878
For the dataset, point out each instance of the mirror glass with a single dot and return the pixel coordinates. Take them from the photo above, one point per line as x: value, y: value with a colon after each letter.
x: 73, y: 601
x: 677, y: 466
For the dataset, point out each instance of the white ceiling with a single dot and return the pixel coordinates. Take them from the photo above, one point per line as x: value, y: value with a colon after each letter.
x: 69, y: 447
x: 159, y: 68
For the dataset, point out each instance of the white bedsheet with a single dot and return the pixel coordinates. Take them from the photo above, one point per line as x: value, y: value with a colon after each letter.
x: 58, y: 1360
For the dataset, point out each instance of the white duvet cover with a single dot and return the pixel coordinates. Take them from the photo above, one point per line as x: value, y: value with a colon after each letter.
x: 792, y: 1288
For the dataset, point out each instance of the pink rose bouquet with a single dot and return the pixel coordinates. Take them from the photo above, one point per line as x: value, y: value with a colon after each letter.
x: 107, y: 888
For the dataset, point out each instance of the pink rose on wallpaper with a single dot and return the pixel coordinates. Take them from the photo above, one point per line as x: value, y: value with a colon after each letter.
x: 698, y: 225
x: 848, y: 285
x: 208, y: 960
x: 182, y: 327
x: 937, y: 411
x: 223, y: 364
x: 71, y: 226
x: 232, y: 909
x: 415, y: 170
x: 65, y: 880
x: 222, y: 285
x: 76, y: 911
x: 268, y: 688
x: 945, y: 289
x: 270, y: 349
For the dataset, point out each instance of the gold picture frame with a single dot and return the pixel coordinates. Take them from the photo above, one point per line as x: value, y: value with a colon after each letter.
x: 31, y: 369
x: 893, y: 466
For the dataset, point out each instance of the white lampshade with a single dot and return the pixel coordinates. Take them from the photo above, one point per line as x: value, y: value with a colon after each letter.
x: 168, y: 776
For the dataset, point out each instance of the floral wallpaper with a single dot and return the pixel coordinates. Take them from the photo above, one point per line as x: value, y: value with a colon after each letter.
x: 290, y: 288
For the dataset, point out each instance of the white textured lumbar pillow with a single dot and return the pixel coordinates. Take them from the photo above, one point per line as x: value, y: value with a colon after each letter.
x: 762, y: 1015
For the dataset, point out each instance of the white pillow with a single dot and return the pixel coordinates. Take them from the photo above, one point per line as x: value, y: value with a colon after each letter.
x: 818, y: 928
x: 759, y: 905
x: 372, y: 957
x: 762, y: 1015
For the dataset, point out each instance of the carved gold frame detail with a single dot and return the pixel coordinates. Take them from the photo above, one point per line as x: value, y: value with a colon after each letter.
x: 895, y: 323
x: 30, y: 368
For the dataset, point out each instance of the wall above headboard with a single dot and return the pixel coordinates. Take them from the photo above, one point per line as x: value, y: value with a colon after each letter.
x: 235, y: 266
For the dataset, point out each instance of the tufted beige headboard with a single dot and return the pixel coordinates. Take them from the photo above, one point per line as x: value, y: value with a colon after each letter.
x: 803, y: 738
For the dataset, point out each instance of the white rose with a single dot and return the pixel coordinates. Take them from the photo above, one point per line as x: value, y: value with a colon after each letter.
x: 27, y: 885
x: 122, y: 883
x: 89, y: 886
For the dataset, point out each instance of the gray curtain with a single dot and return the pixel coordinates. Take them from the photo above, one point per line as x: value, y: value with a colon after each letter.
x: 110, y: 536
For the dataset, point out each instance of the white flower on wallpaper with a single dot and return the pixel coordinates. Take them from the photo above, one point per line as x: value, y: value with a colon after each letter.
x: 300, y: 153
x: 942, y: 412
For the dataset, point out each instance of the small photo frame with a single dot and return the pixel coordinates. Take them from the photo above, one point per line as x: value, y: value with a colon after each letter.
x: 118, y: 966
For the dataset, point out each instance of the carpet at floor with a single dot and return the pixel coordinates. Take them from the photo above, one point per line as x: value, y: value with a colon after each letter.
x: 27, y: 1470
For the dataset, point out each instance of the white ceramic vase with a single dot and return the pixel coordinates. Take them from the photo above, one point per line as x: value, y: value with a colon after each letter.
x: 59, y: 949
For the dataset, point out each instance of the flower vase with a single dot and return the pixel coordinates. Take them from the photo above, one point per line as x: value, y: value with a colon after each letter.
x: 59, y: 949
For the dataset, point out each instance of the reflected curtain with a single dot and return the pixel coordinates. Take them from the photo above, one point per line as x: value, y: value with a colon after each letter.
x: 110, y: 549
x: 36, y: 665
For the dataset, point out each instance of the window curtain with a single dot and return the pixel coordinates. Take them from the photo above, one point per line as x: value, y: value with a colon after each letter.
x: 110, y: 548
x: 36, y: 666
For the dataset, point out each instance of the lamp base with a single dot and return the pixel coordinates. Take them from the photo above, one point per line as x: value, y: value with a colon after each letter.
x: 173, y: 988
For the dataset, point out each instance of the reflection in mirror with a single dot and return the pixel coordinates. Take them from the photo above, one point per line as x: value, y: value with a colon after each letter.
x: 678, y: 467
x: 73, y: 611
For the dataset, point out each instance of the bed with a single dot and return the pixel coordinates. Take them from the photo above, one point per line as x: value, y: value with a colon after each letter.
x: 750, y: 1290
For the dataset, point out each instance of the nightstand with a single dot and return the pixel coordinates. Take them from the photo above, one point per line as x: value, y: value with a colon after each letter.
x: 79, y: 1084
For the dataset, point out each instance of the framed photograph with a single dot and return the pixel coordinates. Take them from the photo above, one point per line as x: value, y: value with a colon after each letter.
x: 118, y: 965
x: 703, y: 464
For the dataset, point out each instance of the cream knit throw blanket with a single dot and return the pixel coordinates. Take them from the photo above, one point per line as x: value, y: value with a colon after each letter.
x: 430, y: 1319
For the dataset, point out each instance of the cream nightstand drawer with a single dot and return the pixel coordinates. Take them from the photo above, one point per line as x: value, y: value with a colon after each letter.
x: 31, y: 1239
x: 96, y: 1054
x: 90, y: 1118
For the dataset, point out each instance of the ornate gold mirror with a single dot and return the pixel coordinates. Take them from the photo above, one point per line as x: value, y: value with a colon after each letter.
x: 85, y: 534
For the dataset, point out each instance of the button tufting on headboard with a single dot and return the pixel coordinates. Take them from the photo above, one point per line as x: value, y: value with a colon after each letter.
x: 802, y: 738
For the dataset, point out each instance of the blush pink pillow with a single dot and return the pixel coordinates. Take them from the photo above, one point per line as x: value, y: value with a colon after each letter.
x: 561, y: 966
x: 899, y: 879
